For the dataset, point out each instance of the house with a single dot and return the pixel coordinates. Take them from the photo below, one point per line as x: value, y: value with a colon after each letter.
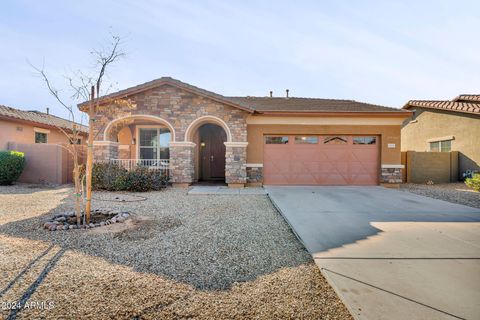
x: 249, y: 140
x: 34, y: 127
x: 42, y: 137
x: 443, y: 126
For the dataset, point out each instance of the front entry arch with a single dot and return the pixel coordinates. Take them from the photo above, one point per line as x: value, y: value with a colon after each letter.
x: 211, y: 152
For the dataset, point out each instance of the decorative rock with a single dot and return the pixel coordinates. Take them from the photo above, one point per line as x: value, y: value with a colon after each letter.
x: 60, y: 227
x: 71, y: 226
x: 91, y: 225
x: 102, y: 224
x: 61, y: 219
x: 121, y: 219
x: 125, y: 214
x: 53, y: 227
x: 97, y: 224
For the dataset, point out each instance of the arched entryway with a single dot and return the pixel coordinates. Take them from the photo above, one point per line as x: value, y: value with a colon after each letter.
x: 211, y: 149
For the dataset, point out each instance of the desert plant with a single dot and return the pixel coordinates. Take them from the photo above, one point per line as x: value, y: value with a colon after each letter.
x: 12, y: 164
x: 474, y: 182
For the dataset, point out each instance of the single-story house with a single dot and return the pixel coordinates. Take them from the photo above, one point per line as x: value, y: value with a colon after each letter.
x: 42, y: 137
x: 249, y: 140
x: 21, y: 126
x: 443, y: 126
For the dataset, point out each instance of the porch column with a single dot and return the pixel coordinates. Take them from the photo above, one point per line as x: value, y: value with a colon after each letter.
x: 182, y: 169
x: 105, y: 150
x: 235, y: 164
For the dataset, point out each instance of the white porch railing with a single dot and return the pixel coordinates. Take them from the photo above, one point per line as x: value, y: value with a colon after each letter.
x: 152, y: 164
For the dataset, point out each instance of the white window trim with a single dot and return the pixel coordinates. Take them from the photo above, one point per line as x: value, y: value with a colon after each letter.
x: 439, y: 145
x: 41, y: 130
x: 35, y: 138
x: 137, y: 137
x: 446, y: 138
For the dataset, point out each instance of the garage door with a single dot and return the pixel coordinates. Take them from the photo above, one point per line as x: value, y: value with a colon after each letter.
x: 321, y: 160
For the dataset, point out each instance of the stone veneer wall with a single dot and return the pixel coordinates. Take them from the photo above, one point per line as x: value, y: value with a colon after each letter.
x: 105, y: 151
x: 255, y: 174
x: 235, y: 160
x: 391, y: 175
x: 182, y: 168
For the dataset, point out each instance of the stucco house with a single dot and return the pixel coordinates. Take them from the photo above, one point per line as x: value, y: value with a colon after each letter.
x: 242, y: 141
x: 443, y: 126
x: 27, y: 127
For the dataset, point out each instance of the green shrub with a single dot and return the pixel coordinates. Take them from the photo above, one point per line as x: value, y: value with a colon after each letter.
x: 111, y: 177
x: 12, y: 164
x: 474, y: 182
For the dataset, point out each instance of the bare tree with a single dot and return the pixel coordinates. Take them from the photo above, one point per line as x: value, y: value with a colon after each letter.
x: 85, y: 87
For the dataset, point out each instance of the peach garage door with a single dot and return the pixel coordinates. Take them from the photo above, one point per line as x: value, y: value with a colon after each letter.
x: 321, y: 160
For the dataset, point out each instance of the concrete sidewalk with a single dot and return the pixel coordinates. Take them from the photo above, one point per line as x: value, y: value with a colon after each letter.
x: 389, y: 254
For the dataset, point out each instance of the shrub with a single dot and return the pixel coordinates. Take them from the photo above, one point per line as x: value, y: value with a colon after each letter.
x: 111, y: 177
x: 12, y: 164
x: 474, y: 182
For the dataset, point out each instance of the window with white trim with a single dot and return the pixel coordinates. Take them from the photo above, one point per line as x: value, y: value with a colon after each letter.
x: 441, y: 146
x: 153, y: 143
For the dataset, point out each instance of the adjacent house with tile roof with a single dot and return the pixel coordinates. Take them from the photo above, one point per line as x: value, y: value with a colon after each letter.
x: 202, y: 135
x: 34, y: 127
x: 445, y: 125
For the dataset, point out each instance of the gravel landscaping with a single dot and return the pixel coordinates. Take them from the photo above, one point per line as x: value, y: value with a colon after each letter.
x: 177, y: 256
x: 452, y: 192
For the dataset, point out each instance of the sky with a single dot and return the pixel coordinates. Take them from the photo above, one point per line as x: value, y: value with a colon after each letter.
x: 381, y: 52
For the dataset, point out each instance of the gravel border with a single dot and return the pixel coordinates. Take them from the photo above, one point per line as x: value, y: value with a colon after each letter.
x: 182, y: 257
x: 451, y: 192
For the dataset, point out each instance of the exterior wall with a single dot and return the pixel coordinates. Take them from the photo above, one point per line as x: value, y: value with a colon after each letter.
x: 389, y: 134
x: 439, y: 167
x: 435, y: 124
x: 20, y: 132
x: 46, y: 163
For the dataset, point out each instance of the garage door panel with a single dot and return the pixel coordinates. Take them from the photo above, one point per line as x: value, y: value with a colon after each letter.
x: 340, y: 162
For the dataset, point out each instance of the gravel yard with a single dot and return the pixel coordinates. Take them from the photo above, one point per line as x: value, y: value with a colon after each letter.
x: 179, y: 256
x: 452, y: 192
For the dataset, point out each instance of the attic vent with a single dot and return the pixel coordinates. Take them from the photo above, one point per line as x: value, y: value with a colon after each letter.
x: 19, y: 128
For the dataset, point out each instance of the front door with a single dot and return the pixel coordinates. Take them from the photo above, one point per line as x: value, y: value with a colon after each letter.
x: 212, y: 152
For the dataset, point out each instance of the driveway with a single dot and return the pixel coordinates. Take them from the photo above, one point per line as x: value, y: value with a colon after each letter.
x: 389, y: 254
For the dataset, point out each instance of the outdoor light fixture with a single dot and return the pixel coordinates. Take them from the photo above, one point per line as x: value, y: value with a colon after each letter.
x: 202, y: 144
x: 304, y: 138
x: 133, y: 141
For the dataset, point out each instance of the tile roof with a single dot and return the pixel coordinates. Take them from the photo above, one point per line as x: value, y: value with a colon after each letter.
x: 258, y: 104
x: 294, y: 104
x: 39, y: 117
x: 463, y: 103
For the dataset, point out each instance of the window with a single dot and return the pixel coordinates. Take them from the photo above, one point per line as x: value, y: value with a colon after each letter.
x: 364, y: 140
x: 153, y: 143
x: 335, y: 140
x: 276, y: 140
x: 40, y: 137
x: 441, y: 146
x: 306, y: 140
x: 79, y: 140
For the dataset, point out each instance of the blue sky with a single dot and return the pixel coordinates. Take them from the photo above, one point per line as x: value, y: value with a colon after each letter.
x: 383, y: 52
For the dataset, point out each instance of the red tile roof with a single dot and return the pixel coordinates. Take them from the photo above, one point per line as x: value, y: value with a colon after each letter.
x: 463, y: 103
x: 40, y: 118
x: 258, y: 104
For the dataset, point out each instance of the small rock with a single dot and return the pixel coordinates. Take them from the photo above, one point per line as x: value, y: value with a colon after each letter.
x: 71, y: 227
x: 113, y: 220
x: 97, y: 224
x: 102, y: 224
x: 121, y: 219
x: 61, y: 219
x: 60, y: 227
x: 91, y: 225
x: 52, y: 227
x: 47, y: 225
x: 125, y: 214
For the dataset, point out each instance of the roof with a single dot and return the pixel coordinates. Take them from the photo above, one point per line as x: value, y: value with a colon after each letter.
x: 295, y: 104
x: 465, y: 103
x: 40, y: 118
x: 257, y: 104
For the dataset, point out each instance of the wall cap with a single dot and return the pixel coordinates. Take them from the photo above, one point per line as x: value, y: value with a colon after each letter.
x: 236, y: 144
x: 393, y: 166
x: 104, y: 143
x: 181, y: 144
x: 254, y: 165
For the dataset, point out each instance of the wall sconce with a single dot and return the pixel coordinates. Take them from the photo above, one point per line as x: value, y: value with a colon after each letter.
x: 133, y: 141
x: 202, y: 144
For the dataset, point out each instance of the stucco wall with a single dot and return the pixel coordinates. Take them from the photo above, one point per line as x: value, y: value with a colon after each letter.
x: 19, y: 132
x: 434, y: 124
x: 389, y: 134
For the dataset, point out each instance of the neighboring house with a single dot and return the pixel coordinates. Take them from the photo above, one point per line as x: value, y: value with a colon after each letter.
x: 34, y: 127
x: 249, y: 140
x: 42, y: 137
x: 442, y: 126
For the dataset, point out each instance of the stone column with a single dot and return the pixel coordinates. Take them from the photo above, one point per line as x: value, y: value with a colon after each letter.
x: 182, y: 169
x: 105, y: 150
x: 235, y: 164
x: 391, y: 175
x: 254, y: 174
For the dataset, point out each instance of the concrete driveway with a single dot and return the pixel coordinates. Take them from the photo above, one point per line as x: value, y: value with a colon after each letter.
x: 389, y: 254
